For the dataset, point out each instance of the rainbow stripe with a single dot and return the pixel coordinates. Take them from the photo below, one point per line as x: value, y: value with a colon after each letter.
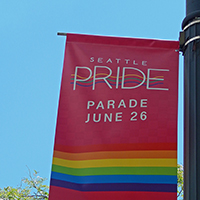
x: 129, y: 78
x: 116, y: 167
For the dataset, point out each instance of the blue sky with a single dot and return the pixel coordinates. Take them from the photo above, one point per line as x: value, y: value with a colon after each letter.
x: 31, y: 59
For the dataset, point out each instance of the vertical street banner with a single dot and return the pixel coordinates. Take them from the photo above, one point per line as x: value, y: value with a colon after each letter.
x: 116, y: 133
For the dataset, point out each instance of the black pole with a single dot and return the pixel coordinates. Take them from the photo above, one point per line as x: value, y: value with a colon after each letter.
x: 190, y: 46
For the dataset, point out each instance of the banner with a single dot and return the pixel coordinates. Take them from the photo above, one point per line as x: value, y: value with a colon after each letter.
x: 116, y: 134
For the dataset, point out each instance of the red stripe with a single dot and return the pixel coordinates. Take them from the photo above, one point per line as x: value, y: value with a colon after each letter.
x: 116, y: 147
x: 63, y: 194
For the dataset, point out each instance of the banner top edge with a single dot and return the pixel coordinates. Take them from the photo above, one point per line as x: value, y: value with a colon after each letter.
x: 125, y: 41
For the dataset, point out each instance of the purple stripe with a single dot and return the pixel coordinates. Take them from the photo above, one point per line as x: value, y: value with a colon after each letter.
x: 116, y: 186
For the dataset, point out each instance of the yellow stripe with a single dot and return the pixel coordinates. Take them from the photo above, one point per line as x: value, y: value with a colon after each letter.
x: 116, y: 163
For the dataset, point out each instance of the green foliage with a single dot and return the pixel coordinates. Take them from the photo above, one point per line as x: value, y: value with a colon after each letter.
x: 33, y: 187
x: 30, y: 188
x: 180, y: 180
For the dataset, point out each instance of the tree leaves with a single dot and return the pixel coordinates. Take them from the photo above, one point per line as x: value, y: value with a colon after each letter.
x: 30, y: 188
x: 33, y: 187
x: 180, y: 180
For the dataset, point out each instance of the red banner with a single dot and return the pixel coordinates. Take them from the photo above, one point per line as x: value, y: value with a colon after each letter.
x: 116, y: 134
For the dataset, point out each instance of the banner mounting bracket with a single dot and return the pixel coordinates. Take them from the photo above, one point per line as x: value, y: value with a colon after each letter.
x: 61, y: 34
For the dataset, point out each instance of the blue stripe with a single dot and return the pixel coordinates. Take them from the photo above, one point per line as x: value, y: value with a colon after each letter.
x: 154, y: 179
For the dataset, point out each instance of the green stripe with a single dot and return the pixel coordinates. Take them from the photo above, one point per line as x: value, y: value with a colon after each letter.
x: 116, y: 171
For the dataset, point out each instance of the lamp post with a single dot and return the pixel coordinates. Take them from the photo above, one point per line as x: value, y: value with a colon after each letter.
x: 190, y: 46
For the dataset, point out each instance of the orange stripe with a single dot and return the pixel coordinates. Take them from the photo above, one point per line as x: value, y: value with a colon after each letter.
x: 115, y: 154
